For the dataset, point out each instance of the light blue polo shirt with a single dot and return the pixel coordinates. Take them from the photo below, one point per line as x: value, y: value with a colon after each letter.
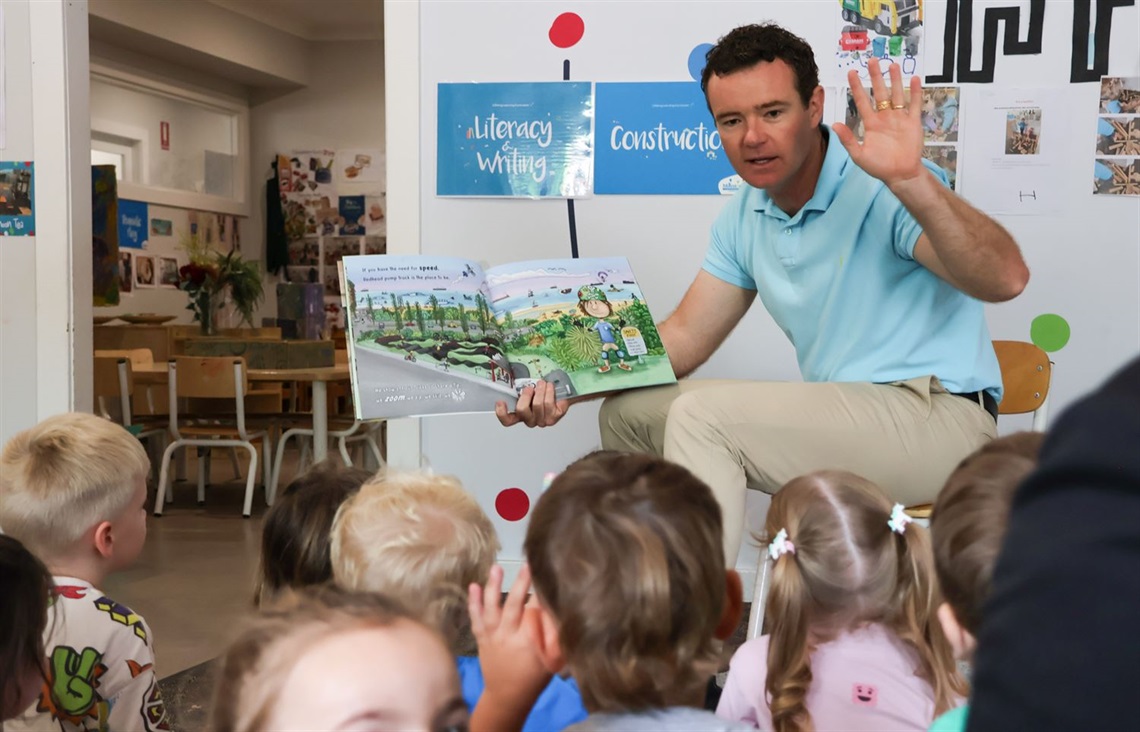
x: 840, y: 279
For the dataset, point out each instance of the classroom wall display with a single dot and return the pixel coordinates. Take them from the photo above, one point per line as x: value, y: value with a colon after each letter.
x: 17, y: 199
x: 1083, y: 250
x: 658, y: 138
x: 877, y: 32
x: 527, y: 139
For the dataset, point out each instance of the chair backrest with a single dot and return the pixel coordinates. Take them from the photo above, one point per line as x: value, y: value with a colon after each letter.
x: 108, y: 377
x: 1025, y: 375
x: 137, y: 356
x: 209, y: 377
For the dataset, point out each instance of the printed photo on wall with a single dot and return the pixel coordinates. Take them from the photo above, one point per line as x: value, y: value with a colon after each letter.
x: 940, y: 113
x: 168, y: 272
x: 306, y: 275
x: 305, y: 251
x: 1116, y: 177
x: 360, y: 165
x: 1023, y: 131
x: 17, y: 211
x: 375, y: 245
x: 945, y: 157
x: 375, y: 221
x: 126, y: 273
x: 144, y: 271
x: 161, y: 227
x: 1118, y: 136
x: 1120, y: 95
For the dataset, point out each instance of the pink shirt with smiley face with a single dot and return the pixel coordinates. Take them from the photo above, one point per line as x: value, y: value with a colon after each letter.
x: 862, y: 680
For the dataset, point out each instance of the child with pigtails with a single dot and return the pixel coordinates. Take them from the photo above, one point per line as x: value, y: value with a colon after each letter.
x: 854, y: 641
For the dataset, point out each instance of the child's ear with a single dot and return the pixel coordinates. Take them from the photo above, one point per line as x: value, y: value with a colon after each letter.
x: 547, y: 644
x: 733, y: 605
x: 961, y: 640
x: 104, y: 540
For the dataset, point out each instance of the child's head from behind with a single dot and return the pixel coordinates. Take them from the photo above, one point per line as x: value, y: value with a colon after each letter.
x: 297, y: 530
x: 24, y: 586
x: 338, y: 660
x: 419, y: 538
x: 968, y: 525
x: 72, y: 485
x: 628, y: 565
x: 842, y: 566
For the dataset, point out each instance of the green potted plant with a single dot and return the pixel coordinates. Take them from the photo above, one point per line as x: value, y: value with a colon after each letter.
x: 210, y: 275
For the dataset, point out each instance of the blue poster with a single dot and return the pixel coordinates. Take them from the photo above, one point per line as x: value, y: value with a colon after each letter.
x: 658, y: 138
x: 526, y: 139
x: 17, y: 209
x: 352, y: 215
x: 133, y: 224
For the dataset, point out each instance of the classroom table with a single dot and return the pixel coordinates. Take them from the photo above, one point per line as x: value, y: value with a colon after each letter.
x: 318, y: 376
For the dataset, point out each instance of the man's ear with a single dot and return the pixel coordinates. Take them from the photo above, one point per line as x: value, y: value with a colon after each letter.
x: 815, y: 106
x: 733, y: 605
x: 547, y: 644
x: 104, y: 540
x: 961, y: 640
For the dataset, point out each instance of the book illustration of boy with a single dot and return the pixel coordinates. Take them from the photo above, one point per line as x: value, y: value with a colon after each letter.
x: 592, y: 302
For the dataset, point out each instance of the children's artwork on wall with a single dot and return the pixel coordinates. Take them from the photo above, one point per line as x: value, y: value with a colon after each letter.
x: 144, y: 271
x: 360, y: 165
x: 104, y: 236
x: 657, y: 138
x: 17, y: 198
x: 522, y: 140
x: 168, y: 272
x: 133, y: 218
x: 126, y: 272
x: 880, y: 32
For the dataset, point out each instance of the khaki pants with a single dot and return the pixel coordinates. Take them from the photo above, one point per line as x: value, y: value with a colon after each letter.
x: 907, y: 437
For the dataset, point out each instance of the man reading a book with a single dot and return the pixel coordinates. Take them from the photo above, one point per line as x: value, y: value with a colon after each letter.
x: 863, y: 256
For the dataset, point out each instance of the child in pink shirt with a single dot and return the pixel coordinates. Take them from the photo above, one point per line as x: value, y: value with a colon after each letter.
x: 854, y: 641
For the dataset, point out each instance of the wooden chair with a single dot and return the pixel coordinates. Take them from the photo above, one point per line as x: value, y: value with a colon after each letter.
x: 1026, y: 374
x: 214, y: 378
x: 114, y: 380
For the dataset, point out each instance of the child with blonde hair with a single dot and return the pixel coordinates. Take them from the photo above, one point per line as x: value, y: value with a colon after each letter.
x: 327, y: 659
x: 967, y: 527
x: 422, y: 539
x: 854, y: 643
x: 73, y: 490
x: 632, y: 596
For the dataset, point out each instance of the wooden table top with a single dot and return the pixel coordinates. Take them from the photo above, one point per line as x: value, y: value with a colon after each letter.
x: 156, y: 373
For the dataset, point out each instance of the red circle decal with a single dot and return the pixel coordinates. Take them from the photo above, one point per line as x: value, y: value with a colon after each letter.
x: 512, y: 504
x: 566, y: 30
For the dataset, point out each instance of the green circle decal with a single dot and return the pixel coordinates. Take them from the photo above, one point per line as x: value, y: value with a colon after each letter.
x: 1049, y: 332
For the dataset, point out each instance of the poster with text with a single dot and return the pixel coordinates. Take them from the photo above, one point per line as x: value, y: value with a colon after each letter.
x: 17, y: 209
x: 351, y: 215
x: 522, y: 140
x: 658, y: 138
x: 133, y: 223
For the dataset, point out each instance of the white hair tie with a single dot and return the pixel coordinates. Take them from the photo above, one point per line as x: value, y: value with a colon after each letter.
x: 899, y: 519
x: 781, y: 546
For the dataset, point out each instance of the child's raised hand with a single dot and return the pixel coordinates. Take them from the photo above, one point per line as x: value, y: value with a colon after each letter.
x: 508, y: 634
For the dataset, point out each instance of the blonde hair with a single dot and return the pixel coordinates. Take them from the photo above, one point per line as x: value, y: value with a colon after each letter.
x: 849, y: 568
x: 418, y: 537
x: 970, y: 518
x: 256, y: 665
x: 63, y: 476
x: 626, y: 554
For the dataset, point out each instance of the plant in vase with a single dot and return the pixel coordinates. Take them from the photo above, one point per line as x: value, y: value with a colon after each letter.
x: 210, y: 274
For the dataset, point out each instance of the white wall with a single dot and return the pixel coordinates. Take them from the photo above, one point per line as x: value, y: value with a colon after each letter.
x: 342, y: 108
x: 1085, y: 256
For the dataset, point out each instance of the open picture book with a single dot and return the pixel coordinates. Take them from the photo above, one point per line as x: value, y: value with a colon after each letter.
x: 438, y: 335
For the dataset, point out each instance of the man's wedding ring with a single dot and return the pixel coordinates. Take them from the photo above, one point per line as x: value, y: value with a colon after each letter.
x: 899, y: 106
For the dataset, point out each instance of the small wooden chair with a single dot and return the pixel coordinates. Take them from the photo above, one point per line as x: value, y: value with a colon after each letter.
x: 1026, y: 374
x: 214, y: 378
